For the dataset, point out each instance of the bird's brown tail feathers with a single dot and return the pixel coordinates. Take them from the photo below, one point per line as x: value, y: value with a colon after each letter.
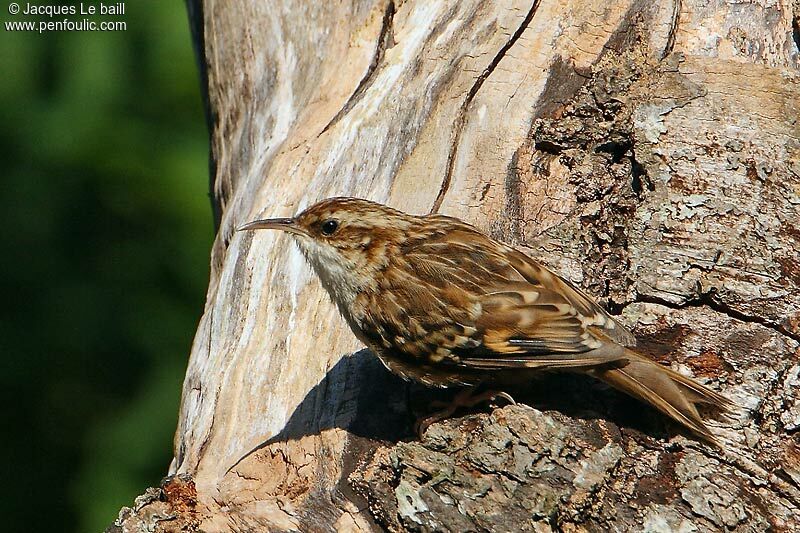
x: 668, y: 391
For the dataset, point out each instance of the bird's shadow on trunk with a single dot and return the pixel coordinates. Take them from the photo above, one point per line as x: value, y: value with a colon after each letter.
x: 360, y: 395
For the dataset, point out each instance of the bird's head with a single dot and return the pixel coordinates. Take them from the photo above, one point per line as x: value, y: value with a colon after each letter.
x: 346, y: 240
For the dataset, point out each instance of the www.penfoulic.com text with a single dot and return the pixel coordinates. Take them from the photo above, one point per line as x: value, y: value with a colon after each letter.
x: 105, y: 17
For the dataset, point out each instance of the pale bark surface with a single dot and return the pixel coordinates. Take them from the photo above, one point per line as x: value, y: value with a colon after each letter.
x: 648, y: 151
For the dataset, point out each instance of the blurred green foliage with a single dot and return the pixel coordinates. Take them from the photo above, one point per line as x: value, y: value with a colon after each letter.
x: 106, y: 228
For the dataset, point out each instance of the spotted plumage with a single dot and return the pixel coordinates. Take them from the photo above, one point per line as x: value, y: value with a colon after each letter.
x: 441, y: 303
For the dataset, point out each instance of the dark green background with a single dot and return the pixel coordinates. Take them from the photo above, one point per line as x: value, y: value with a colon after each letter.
x: 106, y: 228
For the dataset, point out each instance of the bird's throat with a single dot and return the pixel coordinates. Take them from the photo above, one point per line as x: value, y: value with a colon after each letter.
x: 338, y: 276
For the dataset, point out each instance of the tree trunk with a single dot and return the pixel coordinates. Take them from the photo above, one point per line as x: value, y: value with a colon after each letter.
x: 647, y: 151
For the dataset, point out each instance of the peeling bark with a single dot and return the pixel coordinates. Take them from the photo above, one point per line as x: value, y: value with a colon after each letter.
x: 649, y: 152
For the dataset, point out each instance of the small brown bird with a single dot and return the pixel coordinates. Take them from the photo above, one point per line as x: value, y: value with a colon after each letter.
x: 441, y: 303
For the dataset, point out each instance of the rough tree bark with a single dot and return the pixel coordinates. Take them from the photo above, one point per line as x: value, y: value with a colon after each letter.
x: 648, y: 151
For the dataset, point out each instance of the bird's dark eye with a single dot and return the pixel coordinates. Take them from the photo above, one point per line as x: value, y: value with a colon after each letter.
x: 329, y: 226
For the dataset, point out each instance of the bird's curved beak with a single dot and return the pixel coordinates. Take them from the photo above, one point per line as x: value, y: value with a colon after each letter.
x: 284, y: 224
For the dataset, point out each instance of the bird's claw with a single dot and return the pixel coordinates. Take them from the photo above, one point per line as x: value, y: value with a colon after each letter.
x: 464, y: 398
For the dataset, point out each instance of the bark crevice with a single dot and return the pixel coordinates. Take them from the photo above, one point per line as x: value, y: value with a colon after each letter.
x: 462, y: 114
x: 384, y: 42
x: 708, y: 299
x: 673, y: 28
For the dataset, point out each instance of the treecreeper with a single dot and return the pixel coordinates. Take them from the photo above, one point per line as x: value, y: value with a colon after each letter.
x: 441, y: 303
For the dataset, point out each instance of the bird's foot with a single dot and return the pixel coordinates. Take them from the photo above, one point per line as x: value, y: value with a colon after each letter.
x: 464, y: 398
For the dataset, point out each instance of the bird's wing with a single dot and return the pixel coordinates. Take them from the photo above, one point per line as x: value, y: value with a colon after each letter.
x: 496, y: 308
x: 592, y: 314
x: 530, y: 326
